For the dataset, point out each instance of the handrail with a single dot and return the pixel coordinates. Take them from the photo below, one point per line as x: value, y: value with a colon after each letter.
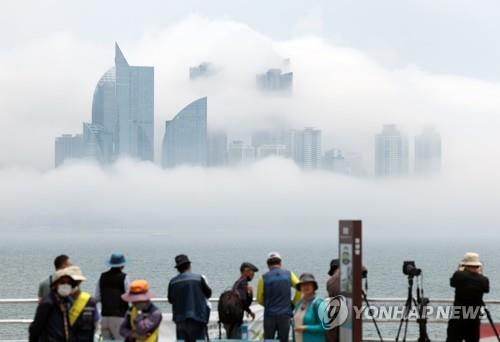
x: 215, y: 300
x: 374, y: 300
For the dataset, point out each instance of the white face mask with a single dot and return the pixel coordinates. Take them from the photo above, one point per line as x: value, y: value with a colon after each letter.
x: 64, y: 290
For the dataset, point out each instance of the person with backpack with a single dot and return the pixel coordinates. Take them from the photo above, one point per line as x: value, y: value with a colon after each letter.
x: 274, y: 293
x: 235, y: 302
x: 306, y: 320
x: 188, y: 293
x: 111, y: 286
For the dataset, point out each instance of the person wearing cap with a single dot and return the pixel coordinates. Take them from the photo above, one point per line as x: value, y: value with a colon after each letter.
x: 142, y: 321
x: 333, y: 289
x: 470, y: 285
x: 307, y: 325
x: 67, y: 313
x: 188, y: 293
x: 60, y: 262
x: 111, y: 286
x: 274, y: 293
x: 245, y: 292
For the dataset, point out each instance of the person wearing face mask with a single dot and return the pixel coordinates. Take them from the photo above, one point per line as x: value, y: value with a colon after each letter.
x: 67, y: 313
x: 142, y: 321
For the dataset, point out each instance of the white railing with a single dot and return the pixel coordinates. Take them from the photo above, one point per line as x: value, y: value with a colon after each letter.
x: 372, y: 301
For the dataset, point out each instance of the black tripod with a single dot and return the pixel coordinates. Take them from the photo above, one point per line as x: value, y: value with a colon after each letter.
x: 490, y: 319
x: 370, y: 311
x: 365, y: 299
x: 421, y: 305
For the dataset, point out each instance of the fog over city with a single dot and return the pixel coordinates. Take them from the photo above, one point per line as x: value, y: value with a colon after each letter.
x: 46, y: 88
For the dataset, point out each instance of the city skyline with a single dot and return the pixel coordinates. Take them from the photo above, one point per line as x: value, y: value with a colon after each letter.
x: 123, y: 125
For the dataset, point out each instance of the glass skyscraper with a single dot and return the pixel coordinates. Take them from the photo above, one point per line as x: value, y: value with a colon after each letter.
x: 391, y: 153
x: 122, y: 116
x: 185, y: 140
x: 124, y: 105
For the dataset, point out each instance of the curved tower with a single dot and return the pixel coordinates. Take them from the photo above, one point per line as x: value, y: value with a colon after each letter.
x: 185, y: 140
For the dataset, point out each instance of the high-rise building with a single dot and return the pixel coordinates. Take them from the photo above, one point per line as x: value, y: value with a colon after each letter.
x: 428, y: 152
x: 264, y: 151
x: 240, y: 153
x: 122, y: 114
x: 217, y: 149
x: 304, y: 147
x: 391, y: 153
x: 135, y: 105
x: 97, y: 143
x: 185, y: 140
x: 274, y: 80
x: 68, y: 146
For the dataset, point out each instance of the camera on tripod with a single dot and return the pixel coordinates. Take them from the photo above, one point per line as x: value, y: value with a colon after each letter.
x: 410, y: 269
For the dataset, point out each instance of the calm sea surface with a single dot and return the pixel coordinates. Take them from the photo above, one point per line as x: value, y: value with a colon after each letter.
x: 26, y: 259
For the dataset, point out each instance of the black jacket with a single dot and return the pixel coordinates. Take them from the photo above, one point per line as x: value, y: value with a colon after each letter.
x: 188, y: 293
x: 112, y: 286
x: 469, y: 288
x: 48, y: 324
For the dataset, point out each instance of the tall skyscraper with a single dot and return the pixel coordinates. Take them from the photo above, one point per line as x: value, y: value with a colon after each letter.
x: 217, y: 149
x: 185, y: 140
x: 68, y: 146
x: 135, y: 106
x: 122, y: 114
x: 274, y: 80
x: 391, y: 153
x: 304, y: 147
x: 428, y: 152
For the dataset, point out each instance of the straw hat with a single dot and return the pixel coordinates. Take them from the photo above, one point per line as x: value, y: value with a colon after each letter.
x: 471, y: 259
x: 73, y: 272
x: 138, y: 292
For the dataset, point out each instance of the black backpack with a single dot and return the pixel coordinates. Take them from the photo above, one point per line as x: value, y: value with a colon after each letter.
x: 230, y: 307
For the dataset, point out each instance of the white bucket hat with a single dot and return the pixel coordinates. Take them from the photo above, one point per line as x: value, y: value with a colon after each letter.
x: 471, y: 259
x: 73, y: 272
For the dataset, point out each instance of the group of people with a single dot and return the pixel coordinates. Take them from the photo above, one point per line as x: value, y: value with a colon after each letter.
x: 66, y: 313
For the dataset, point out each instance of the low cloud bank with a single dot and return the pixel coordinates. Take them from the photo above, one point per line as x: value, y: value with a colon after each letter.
x: 272, y: 196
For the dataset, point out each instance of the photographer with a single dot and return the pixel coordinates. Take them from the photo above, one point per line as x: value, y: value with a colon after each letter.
x: 470, y: 285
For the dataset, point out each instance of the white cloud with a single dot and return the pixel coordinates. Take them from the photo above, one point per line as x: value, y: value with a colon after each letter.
x: 272, y: 196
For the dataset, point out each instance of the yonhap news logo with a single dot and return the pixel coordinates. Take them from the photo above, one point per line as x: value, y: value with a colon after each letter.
x: 333, y: 312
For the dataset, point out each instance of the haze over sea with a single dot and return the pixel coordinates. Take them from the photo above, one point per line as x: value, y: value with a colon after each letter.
x: 26, y: 258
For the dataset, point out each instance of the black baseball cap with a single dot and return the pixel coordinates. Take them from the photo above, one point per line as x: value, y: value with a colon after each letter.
x: 248, y: 265
x: 334, y: 264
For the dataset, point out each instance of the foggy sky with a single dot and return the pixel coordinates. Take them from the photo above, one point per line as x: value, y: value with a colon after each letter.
x: 345, y: 86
